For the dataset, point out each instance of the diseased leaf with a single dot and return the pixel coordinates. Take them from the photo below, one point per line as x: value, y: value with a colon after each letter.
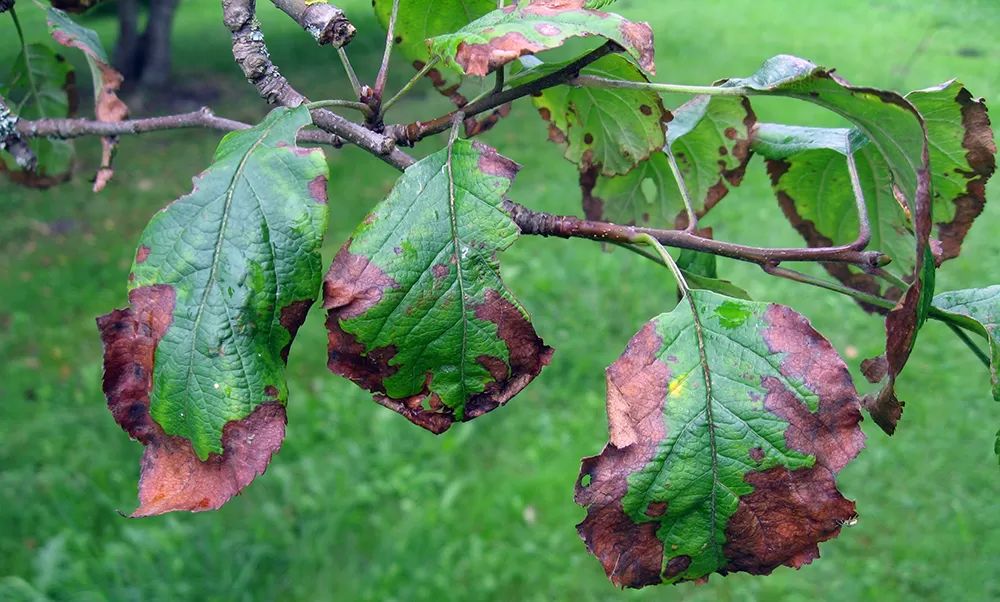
x: 897, y: 130
x: 42, y: 85
x: 531, y: 26
x: 419, y: 20
x: 710, y: 139
x: 962, y: 159
x: 107, y: 82
x: 222, y: 279
x: 418, y: 313
x: 606, y: 129
x: 811, y: 179
x: 729, y: 420
x: 980, y: 309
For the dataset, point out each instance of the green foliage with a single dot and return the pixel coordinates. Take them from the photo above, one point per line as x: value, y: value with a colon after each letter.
x: 240, y: 254
x: 606, y: 129
x: 40, y: 85
x: 419, y: 20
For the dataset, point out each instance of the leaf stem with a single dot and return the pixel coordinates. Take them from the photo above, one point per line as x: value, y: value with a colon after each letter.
x: 409, y: 85
x: 390, y: 34
x: 351, y: 75
x: 347, y: 104
x: 692, y: 215
x: 682, y: 284
x: 594, y: 81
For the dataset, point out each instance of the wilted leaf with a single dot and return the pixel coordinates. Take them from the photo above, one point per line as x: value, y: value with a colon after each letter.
x: 980, y: 309
x: 610, y: 129
x: 531, y: 26
x: 42, y: 85
x: 710, y: 139
x: 897, y: 130
x: 728, y: 421
x: 962, y: 158
x: 418, y: 312
x: 107, y: 82
x: 419, y: 20
x: 222, y: 280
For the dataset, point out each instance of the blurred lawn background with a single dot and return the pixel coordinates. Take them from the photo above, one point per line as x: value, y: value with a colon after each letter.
x: 359, y: 504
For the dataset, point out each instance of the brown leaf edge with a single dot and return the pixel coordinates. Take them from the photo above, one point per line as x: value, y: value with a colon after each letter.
x: 107, y: 105
x: 980, y: 153
x: 788, y: 513
x: 353, y: 285
x: 481, y: 59
x: 172, y: 477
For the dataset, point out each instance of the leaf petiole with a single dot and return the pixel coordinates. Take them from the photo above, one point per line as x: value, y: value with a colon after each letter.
x: 667, y: 260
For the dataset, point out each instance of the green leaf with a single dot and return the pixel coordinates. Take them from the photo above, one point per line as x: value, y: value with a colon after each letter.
x: 235, y: 266
x: 42, y: 85
x: 710, y: 139
x: 610, y: 129
x: 979, y: 309
x: 107, y: 81
x: 896, y: 129
x: 962, y: 154
x: 729, y: 420
x: 531, y: 26
x: 418, y: 313
x: 701, y: 272
x: 419, y: 20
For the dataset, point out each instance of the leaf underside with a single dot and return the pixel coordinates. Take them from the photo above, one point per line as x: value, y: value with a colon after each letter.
x: 729, y: 420
x: 222, y: 279
x: 418, y: 313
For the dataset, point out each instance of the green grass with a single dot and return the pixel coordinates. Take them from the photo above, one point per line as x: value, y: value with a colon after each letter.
x: 360, y: 505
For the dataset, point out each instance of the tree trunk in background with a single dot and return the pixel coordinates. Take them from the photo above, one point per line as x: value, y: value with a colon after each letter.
x: 144, y: 59
x: 126, y: 59
x: 156, y: 38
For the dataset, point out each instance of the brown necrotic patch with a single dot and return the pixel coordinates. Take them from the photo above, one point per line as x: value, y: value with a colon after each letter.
x: 317, y: 189
x: 142, y: 253
x: 172, y: 477
x: 630, y: 552
x: 790, y: 511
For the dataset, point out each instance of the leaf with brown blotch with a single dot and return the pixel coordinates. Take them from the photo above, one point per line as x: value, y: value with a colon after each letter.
x: 897, y: 130
x: 531, y: 26
x: 710, y: 139
x: 729, y: 421
x: 172, y: 477
x: 418, y: 313
x: 963, y: 158
x: 605, y: 130
x: 107, y: 82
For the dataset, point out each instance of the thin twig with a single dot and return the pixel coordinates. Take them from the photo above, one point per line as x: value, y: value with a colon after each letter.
x: 203, y: 118
x: 347, y: 104
x: 326, y: 23
x: 985, y: 359
x: 545, y: 224
x: 390, y: 35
